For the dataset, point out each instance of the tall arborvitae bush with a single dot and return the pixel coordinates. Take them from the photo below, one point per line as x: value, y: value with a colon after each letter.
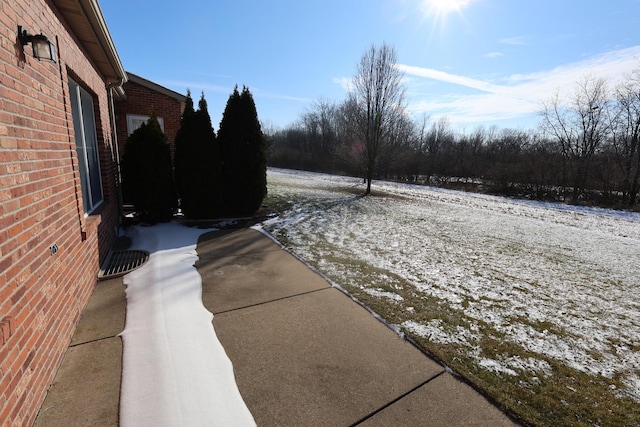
x: 181, y: 146
x: 147, y: 174
x: 243, y: 149
x: 197, y: 163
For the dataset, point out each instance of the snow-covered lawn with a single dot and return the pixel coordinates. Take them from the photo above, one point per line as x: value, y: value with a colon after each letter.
x: 560, y: 283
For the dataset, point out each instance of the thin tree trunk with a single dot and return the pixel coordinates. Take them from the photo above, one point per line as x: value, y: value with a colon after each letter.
x: 633, y: 191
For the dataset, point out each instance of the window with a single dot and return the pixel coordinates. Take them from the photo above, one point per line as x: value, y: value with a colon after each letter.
x: 135, y: 121
x: 84, y: 126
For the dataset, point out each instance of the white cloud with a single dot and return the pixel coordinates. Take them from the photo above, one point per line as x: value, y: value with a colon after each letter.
x: 510, y: 96
x: 345, y: 83
x: 518, y: 40
x: 430, y: 73
x: 196, y: 87
x: 493, y: 55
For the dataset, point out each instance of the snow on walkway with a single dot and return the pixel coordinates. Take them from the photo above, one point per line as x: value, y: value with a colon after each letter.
x: 175, y: 371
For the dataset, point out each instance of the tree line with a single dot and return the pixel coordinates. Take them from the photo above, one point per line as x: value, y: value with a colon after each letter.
x: 211, y: 176
x: 585, y: 150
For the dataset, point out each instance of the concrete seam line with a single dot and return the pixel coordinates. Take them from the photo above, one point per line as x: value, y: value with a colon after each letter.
x: 402, y: 396
x: 272, y: 300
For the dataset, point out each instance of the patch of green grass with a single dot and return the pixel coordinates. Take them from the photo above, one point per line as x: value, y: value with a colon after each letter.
x: 277, y: 203
x: 541, y: 326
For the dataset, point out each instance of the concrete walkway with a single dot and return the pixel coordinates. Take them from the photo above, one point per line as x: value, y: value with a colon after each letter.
x: 304, y: 353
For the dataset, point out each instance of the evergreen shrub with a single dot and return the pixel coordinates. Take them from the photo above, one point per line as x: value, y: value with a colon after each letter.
x: 147, y: 174
x: 197, y: 163
x: 243, y: 149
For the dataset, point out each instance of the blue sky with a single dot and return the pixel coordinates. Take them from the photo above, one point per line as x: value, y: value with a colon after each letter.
x: 477, y: 62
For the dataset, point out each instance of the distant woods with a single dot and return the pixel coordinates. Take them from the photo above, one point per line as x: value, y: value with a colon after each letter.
x: 211, y: 176
x: 586, y: 149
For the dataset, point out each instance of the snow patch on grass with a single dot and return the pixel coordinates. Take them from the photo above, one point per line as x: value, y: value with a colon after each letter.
x: 515, y: 365
x: 383, y: 294
x: 556, y: 280
x: 434, y: 331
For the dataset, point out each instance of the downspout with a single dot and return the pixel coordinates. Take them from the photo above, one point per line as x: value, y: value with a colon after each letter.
x: 114, y: 139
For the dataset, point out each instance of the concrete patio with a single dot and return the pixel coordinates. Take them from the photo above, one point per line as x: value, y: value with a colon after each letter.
x: 304, y: 353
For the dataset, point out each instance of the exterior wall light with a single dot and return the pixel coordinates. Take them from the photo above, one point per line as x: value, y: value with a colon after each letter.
x: 42, y: 47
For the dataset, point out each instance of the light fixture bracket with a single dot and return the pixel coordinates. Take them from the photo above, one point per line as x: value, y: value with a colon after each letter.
x: 40, y: 44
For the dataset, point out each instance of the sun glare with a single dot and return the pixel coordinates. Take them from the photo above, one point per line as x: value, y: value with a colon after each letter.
x: 437, y: 12
x: 443, y: 7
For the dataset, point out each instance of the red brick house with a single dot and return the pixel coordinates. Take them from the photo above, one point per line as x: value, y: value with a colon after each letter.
x: 142, y: 97
x: 59, y: 207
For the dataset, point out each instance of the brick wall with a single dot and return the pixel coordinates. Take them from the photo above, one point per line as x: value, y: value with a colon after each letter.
x: 42, y: 294
x: 141, y: 100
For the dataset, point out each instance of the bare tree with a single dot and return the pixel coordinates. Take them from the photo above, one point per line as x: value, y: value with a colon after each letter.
x: 378, y: 98
x: 320, y: 124
x: 432, y: 142
x: 626, y: 135
x: 579, y: 126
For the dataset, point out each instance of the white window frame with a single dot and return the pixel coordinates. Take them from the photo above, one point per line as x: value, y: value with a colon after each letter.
x: 134, y: 121
x: 84, y: 125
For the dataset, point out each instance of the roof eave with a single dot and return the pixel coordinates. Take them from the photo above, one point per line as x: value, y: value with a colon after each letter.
x: 156, y: 87
x: 87, y: 22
